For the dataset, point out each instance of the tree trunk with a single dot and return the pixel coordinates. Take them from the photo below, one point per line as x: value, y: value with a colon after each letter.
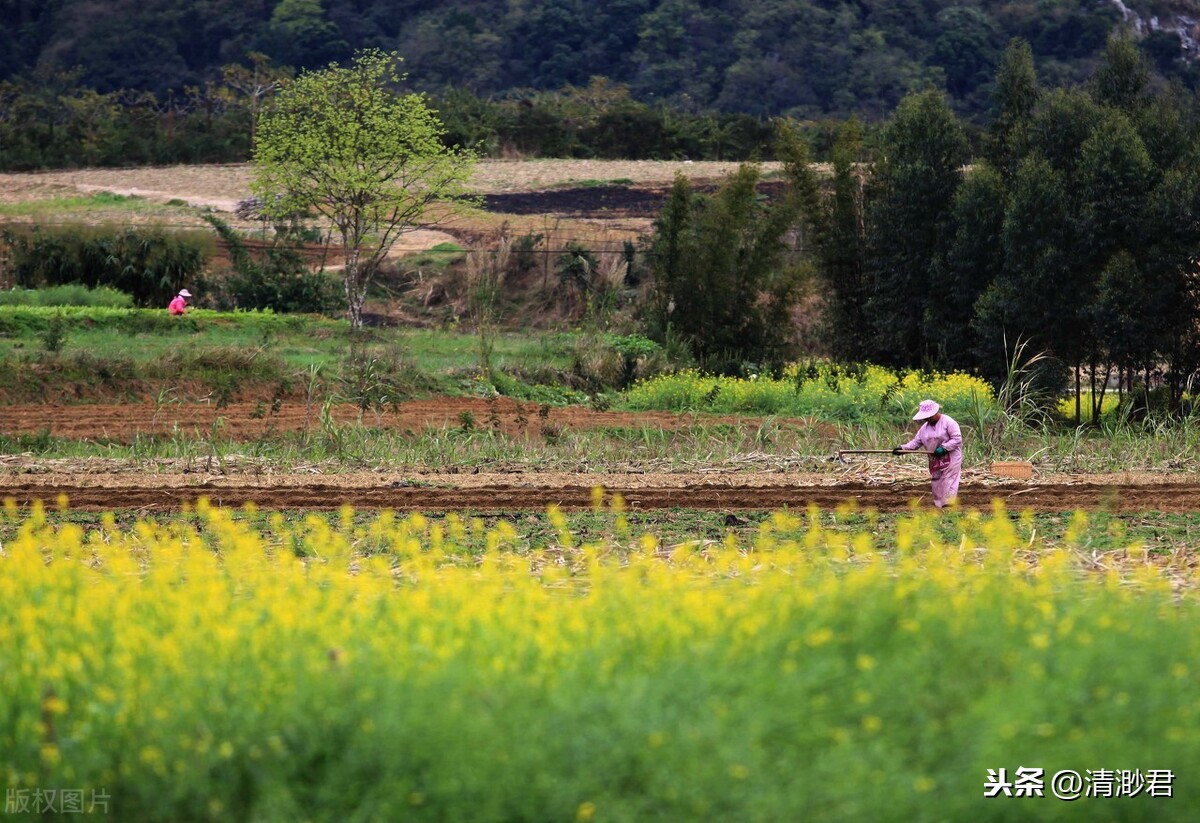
x: 1078, y: 416
x: 1098, y: 400
x: 354, y: 308
x: 356, y: 292
x: 1147, y: 399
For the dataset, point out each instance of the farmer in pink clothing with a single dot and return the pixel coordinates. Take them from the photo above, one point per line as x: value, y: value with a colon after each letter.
x: 179, y: 304
x: 942, y: 439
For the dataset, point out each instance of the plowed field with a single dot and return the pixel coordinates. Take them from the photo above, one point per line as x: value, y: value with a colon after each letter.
x: 101, y: 485
x: 120, y: 423
x: 533, y: 491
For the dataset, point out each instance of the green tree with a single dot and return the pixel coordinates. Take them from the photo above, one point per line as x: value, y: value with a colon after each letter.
x: 973, y: 261
x: 93, y: 118
x: 966, y: 48
x: 1061, y: 124
x: 910, y: 224
x: 1171, y: 278
x: 1126, y: 300
x: 669, y: 249
x: 682, y: 50
x: 304, y: 36
x: 250, y: 87
x: 342, y: 143
x: 470, y: 121
x: 1023, y: 302
x: 804, y: 189
x: 1042, y: 243
x: 841, y: 247
x: 1122, y: 77
x: 1165, y: 126
x: 455, y: 48
x: 1114, y: 177
x: 1014, y: 99
x: 724, y: 280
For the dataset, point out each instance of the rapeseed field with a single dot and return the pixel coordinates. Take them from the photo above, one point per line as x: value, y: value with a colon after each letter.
x: 222, y: 666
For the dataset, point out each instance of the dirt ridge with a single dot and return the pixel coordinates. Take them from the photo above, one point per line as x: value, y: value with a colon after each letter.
x: 121, y: 422
x: 529, y: 495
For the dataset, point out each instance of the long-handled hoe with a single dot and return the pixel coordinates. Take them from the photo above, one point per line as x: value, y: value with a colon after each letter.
x: 842, y: 452
x: 1016, y: 469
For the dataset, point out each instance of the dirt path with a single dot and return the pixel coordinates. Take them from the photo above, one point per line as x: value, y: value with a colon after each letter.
x: 522, y: 492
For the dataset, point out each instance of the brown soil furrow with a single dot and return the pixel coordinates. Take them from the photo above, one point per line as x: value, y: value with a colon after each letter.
x: 1168, y: 497
x: 122, y: 422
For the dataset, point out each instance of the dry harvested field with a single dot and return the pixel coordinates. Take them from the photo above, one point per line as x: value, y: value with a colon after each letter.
x: 594, y: 201
x: 222, y: 186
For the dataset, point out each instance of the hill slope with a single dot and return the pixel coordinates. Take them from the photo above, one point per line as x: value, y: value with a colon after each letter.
x: 806, y: 58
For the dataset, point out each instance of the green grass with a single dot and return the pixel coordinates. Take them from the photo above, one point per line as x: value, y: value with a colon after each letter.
x: 118, y: 351
x: 592, y: 183
x: 439, y: 352
x: 441, y: 256
x: 144, y: 335
x: 68, y: 295
x: 76, y: 205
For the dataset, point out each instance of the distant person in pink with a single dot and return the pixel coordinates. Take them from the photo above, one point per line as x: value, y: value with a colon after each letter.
x: 179, y: 304
x: 941, y: 437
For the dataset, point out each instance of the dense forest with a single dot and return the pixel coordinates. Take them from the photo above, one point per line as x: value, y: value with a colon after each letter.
x: 799, y: 58
x: 1071, y: 233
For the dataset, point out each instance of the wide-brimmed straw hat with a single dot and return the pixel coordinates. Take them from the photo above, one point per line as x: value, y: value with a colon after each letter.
x: 184, y: 293
x: 927, y: 410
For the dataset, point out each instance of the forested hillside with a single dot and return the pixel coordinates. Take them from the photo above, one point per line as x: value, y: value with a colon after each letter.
x: 804, y: 58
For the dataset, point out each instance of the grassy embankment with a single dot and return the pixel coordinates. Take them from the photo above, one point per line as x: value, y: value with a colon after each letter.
x: 96, y: 349
x: 102, y: 206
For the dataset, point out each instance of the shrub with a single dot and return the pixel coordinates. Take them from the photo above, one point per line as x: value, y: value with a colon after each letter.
x: 613, y: 361
x: 68, y: 295
x: 54, y: 336
x: 151, y: 265
x: 724, y: 278
x: 277, y: 278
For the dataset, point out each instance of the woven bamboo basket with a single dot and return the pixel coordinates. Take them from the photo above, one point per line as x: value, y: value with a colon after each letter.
x: 1017, y: 469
